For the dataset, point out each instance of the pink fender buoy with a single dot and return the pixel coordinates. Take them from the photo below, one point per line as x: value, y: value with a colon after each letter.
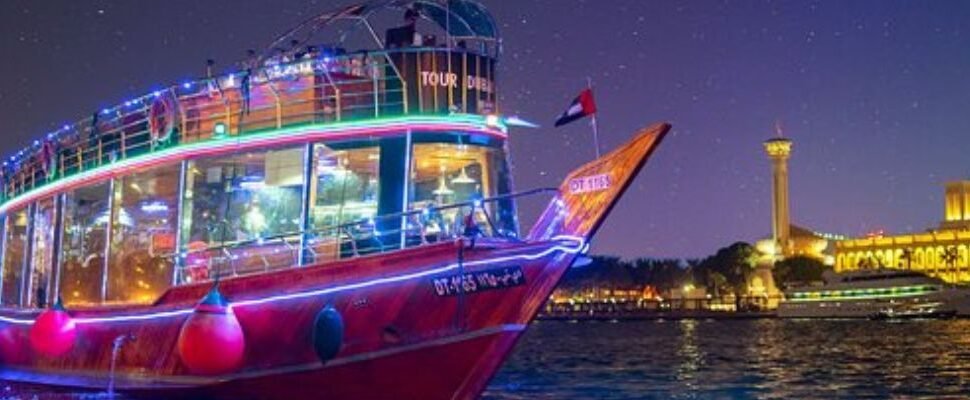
x: 211, y: 341
x: 54, y: 331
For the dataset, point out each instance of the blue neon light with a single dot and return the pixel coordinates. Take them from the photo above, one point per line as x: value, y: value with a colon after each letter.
x: 580, y: 244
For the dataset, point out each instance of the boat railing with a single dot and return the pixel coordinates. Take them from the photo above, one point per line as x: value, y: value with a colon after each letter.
x: 311, y: 90
x: 392, y: 232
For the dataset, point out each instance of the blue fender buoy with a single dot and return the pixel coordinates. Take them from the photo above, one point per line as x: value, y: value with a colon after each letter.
x: 328, y: 333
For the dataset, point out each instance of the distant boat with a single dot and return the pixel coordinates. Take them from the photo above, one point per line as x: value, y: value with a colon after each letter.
x: 878, y: 293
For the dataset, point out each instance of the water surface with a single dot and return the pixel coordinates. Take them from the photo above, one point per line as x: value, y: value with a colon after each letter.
x: 701, y: 359
x: 764, y: 358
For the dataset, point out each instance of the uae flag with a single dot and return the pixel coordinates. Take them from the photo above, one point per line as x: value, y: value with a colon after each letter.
x: 582, y: 106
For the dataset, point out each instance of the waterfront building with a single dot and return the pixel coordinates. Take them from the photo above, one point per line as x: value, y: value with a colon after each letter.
x: 942, y: 252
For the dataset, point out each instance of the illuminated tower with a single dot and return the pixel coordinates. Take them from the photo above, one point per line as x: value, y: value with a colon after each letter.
x: 779, y: 150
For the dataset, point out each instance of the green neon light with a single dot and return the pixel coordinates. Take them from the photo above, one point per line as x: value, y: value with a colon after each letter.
x: 473, y: 121
x: 863, y: 294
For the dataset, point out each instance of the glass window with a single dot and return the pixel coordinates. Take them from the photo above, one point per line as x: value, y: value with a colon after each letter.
x: 13, y: 256
x: 346, y: 185
x: 242, y: 198
x: 345, y: 190
x: 143, y: 239
x: 86, y: 217
x: 448, y: 173
x: 41, y: 276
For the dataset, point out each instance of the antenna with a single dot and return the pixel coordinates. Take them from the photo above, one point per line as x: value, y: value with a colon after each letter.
x: 778, y: 130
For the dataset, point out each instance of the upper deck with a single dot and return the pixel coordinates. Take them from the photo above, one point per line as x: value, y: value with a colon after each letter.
x: 305, y: 155
x: 305, y: 89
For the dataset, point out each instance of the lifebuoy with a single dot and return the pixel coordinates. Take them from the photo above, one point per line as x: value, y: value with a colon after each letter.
x: 161, y: 117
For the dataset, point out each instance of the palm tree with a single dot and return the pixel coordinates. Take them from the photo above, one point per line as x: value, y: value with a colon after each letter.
x: 950, y: 256
x: 716, y: 280
x: 908, y: 256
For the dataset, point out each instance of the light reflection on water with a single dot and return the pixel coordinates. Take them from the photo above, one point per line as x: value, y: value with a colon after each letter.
x: 700, y: 359
x: 738, y: 359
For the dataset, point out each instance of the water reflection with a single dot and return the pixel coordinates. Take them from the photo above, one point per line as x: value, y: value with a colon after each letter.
x: 738, y: 359
x: 726, y: 359
x: 688, y: 353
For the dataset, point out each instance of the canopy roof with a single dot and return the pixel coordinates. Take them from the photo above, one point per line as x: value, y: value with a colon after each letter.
x: 463, y: 19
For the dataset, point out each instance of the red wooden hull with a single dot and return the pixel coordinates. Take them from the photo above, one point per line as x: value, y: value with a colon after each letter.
x: 462, y: 339
x: 421, y: 322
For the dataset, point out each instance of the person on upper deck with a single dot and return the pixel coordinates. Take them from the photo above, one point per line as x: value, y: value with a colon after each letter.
x: 406, y: 35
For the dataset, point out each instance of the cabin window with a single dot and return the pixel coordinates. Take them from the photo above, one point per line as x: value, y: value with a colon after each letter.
x: 245, y: 197
x: 241, y: 199
x: 39, y: 292
x: 15, y: 244
x: 345, y: 189
x: 86, y: 217
x: 346, y: 185
x: 143, y: 235
x: 448, y: 173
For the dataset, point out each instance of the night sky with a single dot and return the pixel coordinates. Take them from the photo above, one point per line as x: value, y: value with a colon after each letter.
x: 875, y: 94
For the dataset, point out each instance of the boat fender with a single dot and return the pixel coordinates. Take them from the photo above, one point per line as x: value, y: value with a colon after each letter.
x: 328, y: 333
x: 54, y: 331
x: 211, y: 340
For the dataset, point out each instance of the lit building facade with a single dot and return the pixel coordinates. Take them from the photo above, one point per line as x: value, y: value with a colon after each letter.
x: 943, y: 252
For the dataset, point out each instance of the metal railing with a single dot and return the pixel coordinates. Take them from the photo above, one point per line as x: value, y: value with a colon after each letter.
x: 310, y: 90
x: 363, y: 237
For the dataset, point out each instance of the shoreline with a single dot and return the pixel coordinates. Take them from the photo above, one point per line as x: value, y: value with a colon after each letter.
x: 671, y: 315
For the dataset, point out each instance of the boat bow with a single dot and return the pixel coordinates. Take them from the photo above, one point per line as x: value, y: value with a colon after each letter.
x: 588, y: 194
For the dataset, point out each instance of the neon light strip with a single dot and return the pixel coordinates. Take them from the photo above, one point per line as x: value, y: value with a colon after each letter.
x: 909, y: 292
x: 303, y: 134
x: 580, y: 243
x: 449, y: 267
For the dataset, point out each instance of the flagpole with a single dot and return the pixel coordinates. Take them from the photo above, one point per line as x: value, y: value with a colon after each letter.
x: 596, y: 133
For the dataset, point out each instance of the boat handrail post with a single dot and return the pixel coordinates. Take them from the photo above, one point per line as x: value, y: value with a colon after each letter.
x: 225, y: 102
x: 422, y: 229
x: 229, y: 259
x: 183, y: 119
x: 306, y: 248
x: 336, y: 92
x: 375, y: 89
x: 279, y: 106
x: 488, y: 218
x: 353, y: 241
